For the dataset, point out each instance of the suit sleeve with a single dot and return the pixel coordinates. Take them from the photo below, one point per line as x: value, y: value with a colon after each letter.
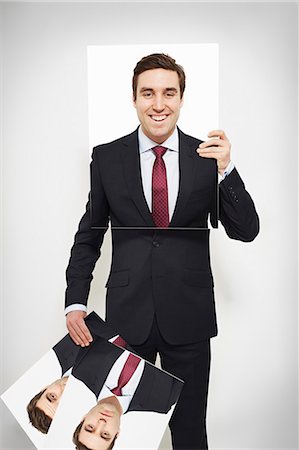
x: 236, y: 209
x: 88, y: 240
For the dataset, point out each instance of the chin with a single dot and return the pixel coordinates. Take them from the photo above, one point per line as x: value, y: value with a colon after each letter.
x: 161, y: 135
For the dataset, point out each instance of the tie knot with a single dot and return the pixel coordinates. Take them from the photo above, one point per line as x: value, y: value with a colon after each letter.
x: 159, y: 150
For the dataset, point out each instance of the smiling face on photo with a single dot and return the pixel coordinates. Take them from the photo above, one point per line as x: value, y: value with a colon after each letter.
x: 158, y: 103
x: 101, y: 424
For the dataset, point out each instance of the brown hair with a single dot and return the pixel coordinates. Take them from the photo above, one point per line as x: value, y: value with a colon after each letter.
x: 37, y: 417
x: 80, y: 446
x: 158, y: 61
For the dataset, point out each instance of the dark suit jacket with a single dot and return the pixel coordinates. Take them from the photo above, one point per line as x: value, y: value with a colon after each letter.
x: 67, y: 351
x: 162, y: 272
x: 157, y: 391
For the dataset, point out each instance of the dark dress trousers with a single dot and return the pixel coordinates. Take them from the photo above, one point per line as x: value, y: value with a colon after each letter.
x: 165, y: 273
x: 157, y: 391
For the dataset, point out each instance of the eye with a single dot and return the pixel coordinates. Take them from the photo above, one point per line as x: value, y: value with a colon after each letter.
x: 89, y: 428
x: 105, y: 435
x: 51, y: 397
x: 170, y: 94
x: 147, y: 94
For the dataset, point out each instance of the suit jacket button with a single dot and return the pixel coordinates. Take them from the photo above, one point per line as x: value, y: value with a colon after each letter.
x: 156, y: 244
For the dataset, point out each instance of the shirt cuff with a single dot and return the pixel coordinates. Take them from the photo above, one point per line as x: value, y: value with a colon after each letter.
x: 227, y: 171
x: 75, y: 307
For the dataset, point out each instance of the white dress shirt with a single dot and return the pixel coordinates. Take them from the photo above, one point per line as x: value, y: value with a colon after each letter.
x: 147, y: 158
x: 112, y: 381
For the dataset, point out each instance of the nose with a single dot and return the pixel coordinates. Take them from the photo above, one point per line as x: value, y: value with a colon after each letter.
x: 101, y: 426
x: 158, y: 103
x: 102, y: 419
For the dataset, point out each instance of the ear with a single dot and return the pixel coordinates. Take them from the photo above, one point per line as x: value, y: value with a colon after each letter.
x: 182, y: 101
x: 134, y: 101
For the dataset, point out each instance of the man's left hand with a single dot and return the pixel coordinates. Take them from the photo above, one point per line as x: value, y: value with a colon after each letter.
x: 218, y: 148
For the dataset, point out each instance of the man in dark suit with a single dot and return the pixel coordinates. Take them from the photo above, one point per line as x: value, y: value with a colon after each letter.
x: 157, y: 187
x: 99, y: 366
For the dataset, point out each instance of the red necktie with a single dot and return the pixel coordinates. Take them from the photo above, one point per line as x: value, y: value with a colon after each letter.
x: 126, y: 373
x: 120, y: 342
x: 159, y: 189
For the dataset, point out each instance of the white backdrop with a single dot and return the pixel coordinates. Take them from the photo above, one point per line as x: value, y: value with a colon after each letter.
x: 45, y: 179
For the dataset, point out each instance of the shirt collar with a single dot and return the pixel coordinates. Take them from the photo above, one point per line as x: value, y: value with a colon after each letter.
x: 124, y: 400
x: 145, y: 143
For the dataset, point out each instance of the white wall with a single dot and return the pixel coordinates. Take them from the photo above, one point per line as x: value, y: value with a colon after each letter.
x: 253, y: 389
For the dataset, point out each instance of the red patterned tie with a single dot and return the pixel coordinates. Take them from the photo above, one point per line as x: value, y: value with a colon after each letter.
x: 159, y: 189
x: 126, y: 373
x: 120, y: 342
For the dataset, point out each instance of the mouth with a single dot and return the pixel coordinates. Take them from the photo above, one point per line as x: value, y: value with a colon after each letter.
x: 107, y: 413
x: 159, y: 118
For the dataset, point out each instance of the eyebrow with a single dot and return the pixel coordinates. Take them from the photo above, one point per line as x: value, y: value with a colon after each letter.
x: 173, y: 89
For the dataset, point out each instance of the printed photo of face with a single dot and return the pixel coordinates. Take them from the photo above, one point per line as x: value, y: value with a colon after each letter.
x: 100, y: 427
x: 42, y: 407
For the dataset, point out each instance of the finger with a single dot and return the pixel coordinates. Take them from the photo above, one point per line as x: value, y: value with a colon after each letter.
x: 82, y: 331
x: 214, y: 155
x: 210, y: 150
x: 219, y: 133
x: 79, y: 329
x: 74, y: 336
x: 210, y: 142
x: 86, y: 331
x: 77, y: 337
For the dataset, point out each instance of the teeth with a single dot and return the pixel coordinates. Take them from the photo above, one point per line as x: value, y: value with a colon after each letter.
x: 159, y: 118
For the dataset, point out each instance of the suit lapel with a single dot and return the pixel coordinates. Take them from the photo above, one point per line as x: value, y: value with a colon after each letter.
x: 187, y: 171
x: 131, y: 165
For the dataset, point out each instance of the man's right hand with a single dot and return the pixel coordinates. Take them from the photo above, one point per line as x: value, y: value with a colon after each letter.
x: 77, y: 328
